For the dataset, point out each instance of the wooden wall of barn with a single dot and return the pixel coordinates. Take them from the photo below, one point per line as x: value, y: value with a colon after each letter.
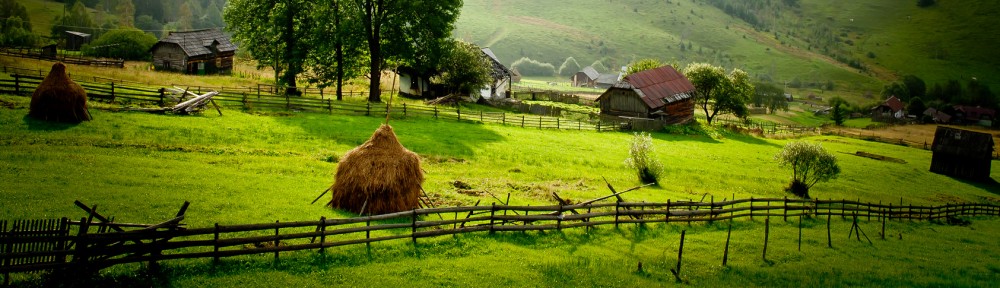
x: 170, y: 57
x: 961, y: 166
x: 621, y: 102
x: 679, y: 112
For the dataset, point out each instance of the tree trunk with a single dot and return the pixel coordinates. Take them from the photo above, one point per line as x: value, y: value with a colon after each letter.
x: 373, y: 27
x: 288, y: 79
x: 339, y: 51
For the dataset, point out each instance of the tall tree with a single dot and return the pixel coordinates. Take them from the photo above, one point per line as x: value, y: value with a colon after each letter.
x: 338, y: 31
x: 769, y: 96
x: 643, y: 65
x: 915, y: 86
x: 275, y: 32
x: 404, y: 32
x: 126, y: 13
x: 725, y: 93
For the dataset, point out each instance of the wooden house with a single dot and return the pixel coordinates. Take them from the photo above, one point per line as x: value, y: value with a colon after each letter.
x: 662, y: 93
x: 499, y: 87
x: 962, y: 153
x: 413, y: 83
x: 75, y: 40
x: 585, y: 78
x: 890, y: 110
x: 605, y: 81
x: 975, y: 115
x: 206, y: 51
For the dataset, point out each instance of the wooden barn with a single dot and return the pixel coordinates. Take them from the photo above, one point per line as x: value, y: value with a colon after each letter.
x: 662, y: 93
x: 76, y: 40
x: 206, y: 51
x: 888, y: 111
x: 585, y: 78
x: 962, y: 153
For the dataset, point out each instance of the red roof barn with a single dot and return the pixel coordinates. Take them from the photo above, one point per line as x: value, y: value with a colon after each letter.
x: 661, y: 93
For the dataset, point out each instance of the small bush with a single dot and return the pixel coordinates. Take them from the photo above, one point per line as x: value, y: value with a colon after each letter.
x: 128, y: 44
x: 640, y: 158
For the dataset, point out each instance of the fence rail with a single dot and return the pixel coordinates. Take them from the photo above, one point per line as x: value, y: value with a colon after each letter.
x: 766, y: 127
x: 33, y: 53
x: 90, y: 244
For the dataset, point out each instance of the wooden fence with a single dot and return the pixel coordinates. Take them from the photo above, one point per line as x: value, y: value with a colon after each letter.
x: 35, y: 53
x: 765, y: 127
x: 250, y: 98
x: 90, y: 245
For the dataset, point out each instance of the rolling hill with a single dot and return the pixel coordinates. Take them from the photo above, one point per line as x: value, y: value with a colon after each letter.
x: 811, y: 42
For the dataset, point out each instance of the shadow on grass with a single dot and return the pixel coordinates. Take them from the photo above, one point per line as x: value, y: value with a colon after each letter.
x: 39, y: 125
x: 424, y: 136
x: 990, y: 185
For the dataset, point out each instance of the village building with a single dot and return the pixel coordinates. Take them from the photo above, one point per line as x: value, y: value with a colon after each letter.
x: 413, y: 83
x: 499, y: 87
x: 206, y: 51
x: 975, y: 115
x: 76, y: 40
x: 585, y: 78
x: 605, y: 81
x: 889, y: 111
x: 662, y: 94
x: 962, y: 153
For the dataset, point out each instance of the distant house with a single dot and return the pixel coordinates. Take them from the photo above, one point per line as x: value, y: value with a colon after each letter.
x: 661, y: 93
x: 890, y: 110
x: 937, y: 116
x: 605, y: 81
x: 962, y: 153
x: 75, y: 40
x: 413, y: 83
x: 975, y: 115
x: 585, y: 78
x: 206, y: 51
x: 500, y: 86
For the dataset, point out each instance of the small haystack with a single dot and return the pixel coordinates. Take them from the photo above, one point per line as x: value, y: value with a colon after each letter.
x: 377, y: 177
x: 59, y: 99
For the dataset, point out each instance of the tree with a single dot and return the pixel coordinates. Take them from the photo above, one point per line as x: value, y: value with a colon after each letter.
x: 336, y: 31
x: 952, y: 91
x: 643, y: 65
x: 126, y: 13
x: 726, y: 93
x: 917, y: 107
x: 915, y: 86
x: 897, y: 89
x: 147, y: 23
x: 403, y: 32
x: 838, y: 110
x: 10, y: 9
x: 464, y: 69
x: 769, y: 96
x: 275, y: 33
x: 130, y: 44
x: 76, y: 19
x: 810, y: 164
x: 640, y: 158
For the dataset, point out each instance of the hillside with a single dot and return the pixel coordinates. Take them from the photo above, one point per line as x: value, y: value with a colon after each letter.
x: 808, y: 42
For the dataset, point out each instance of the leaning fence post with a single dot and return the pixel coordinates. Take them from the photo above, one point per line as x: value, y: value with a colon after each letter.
x: 829, y: 238
x: 680, y: 255
x: 725, y: 253
x: 767, y: 232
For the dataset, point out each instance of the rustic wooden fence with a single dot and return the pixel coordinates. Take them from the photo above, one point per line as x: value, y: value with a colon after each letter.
x: 88, y: 244
x: 249, y: 98
x: 765, y: 127
x: 37, y: 53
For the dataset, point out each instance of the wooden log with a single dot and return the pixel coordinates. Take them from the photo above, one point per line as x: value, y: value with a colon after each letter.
x: 725, y: 253
x: 767, y: 232
x: 680, y: 255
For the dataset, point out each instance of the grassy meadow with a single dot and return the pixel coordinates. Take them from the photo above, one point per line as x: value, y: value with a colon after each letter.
x: 259, y: 166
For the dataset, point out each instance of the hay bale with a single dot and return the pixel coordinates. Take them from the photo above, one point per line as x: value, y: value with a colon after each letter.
x: 59, y: 99
x: 380, y: 172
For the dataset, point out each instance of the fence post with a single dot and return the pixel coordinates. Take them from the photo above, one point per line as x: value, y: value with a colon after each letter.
x: 322, y: 233
x: 680, y: 254
x: 413, y: 227
x: 81, y: 257
x: 767, y: 232
x: 368, y: 233
x: 329, y: 105
x: 160, y: 91
x: 751, y: 208
x: 480, y: 115
x: 458, y: 110
x: 522, y: 121
x: 617, y: 205
x: 368, y: 108
x: 404, y: 109
x: 503, y: 118
x: 539, y: 122
x: 786, y: 208
x: 435, y: 112
x: 17, y: 84
x: 276, y: 241
x: 493, y: 209
x: 215, y: 243
x: 829, y: 238
x: 557, y: 123
x: 725, y: 254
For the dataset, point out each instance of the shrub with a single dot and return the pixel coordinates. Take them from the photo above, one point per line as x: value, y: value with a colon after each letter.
x: 129, y: 44
x: 810, y: 164
x: 640, y: 158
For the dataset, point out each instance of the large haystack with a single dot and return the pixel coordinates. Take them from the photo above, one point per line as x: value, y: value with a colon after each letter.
x: 59, y: 99
x: 380, y: 172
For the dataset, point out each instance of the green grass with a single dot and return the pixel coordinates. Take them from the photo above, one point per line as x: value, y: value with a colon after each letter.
x: 253, y: 168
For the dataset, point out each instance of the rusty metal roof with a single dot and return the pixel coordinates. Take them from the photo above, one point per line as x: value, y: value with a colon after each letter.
x: 658, y: 87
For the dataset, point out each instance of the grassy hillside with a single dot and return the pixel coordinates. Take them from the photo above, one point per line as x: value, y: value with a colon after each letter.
x: 252, y: 167
x: 811, y: 42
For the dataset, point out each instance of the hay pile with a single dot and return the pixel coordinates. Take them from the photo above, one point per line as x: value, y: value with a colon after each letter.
x: 59, y: 99
x: 381, y: 173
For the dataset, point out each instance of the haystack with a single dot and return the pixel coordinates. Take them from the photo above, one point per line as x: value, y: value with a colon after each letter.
x: 379, y: 176
x: 59, y: 99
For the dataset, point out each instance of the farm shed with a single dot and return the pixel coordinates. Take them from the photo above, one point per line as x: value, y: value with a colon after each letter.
x: 962, y: 153
x: 75, y: 40
x: 890, y: 110
x: 206, y: 51
x: 661, y: 93
x: 413, y: 83
x: 605, y: 81
x: 585, y: 78
x: 500, y: 86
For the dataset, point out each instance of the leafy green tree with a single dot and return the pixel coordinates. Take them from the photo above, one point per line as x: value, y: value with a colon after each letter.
x: 147, y: 23
x: 838, y: 110
x: 915, y: 86
x: 769, y: 96
x: 464, y: 69
x: 129, y: 44
x: 10, y: 9
x: 641, y: 159
x: 726, y: 93
x: 336, y: 31
x: 897, y: 89
x: 404, y: 32
x: 76, y: 19
x: 275, y: 33
x: 916, y: 107
x: 643, y: 65
x: 810, y: 164
x: 952, y: 91
x: 13, y: 33
x: 126, y: 13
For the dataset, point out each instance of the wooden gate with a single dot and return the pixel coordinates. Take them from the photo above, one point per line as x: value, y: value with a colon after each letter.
x: 27, y: 244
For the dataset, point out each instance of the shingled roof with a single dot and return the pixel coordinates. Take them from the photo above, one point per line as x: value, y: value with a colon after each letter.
x: 658, y: 87
x: 197, y: 42
x: 497, y: 70
x: 962, y: 142
x: 591, y: 72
